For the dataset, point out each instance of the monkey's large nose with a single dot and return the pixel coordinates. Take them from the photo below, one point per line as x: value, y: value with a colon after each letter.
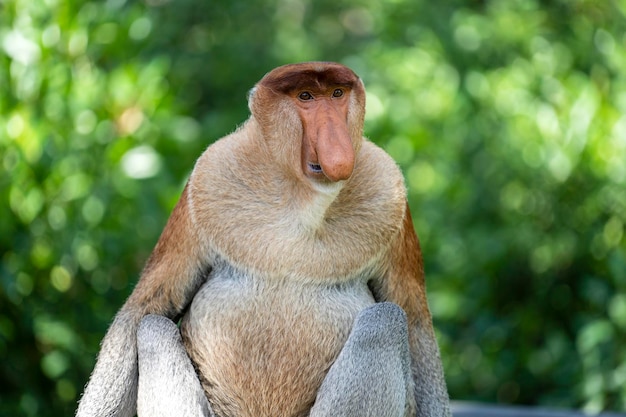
x: 338, y: 166
x: 334, y: 150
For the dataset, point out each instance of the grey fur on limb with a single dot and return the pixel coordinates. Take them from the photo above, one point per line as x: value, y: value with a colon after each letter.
x: 168, y: 384
x: 371, y: 376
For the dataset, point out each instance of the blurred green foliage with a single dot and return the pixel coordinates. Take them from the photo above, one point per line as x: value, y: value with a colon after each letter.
x: 508, y: 118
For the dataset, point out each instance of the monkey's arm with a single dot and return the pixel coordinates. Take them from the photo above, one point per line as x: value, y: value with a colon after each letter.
x: 403, y: 283
x: 169, y: 281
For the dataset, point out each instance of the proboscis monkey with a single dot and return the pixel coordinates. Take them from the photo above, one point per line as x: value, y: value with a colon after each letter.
x: 292, y: 263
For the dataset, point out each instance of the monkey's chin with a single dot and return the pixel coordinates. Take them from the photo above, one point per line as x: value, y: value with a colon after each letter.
x: 325, y: 186
x: 319, y: 181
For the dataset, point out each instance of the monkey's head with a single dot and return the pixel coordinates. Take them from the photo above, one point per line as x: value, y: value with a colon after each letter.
x: 312, y: 115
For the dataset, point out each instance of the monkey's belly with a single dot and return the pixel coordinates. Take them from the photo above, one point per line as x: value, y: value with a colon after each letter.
x: 263, y: 349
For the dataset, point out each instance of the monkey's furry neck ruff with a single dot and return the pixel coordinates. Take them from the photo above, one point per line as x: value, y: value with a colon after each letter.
x: 376, y: 197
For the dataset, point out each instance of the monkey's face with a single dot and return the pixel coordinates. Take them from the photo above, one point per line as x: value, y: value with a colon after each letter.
x: 327, y: 152
x: 316, y: 111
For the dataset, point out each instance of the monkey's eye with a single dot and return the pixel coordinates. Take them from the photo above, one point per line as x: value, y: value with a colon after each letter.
x: 305, y: 95
x: 338, y: 93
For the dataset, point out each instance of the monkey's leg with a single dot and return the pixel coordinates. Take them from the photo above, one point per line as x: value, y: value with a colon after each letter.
x: 168, y: 384
x: 372, y: 375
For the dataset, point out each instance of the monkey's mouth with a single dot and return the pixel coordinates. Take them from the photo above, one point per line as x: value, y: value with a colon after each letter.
x: 316, y: 168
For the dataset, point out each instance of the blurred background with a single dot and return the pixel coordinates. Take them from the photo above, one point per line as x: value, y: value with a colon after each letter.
x: 508, y: 118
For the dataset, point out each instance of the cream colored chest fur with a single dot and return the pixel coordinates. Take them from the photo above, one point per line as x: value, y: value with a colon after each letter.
x: 263, y: 347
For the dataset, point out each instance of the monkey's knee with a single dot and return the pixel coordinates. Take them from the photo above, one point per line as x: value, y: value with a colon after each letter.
x: 155, y: 332
x: 159, y: 347
x: 386, y: 311
x: 382, y: 326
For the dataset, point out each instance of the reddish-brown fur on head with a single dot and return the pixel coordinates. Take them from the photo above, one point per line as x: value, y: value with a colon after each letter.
x: 323, y: 129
